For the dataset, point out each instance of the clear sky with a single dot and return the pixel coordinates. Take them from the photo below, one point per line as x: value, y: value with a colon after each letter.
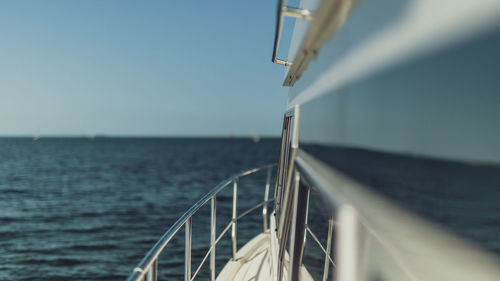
x: 171, y: 68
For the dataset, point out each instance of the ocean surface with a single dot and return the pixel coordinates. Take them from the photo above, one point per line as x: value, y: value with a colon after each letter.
x: 82, y: 209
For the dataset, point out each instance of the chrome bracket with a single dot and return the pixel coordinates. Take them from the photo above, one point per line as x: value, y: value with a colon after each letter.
x: 285, y: 11
x: 296, y: 13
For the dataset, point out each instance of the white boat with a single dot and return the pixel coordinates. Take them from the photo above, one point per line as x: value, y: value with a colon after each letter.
x: 378, y: 89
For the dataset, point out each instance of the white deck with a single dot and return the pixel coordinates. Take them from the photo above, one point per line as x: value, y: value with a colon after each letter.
x: 254, y: 263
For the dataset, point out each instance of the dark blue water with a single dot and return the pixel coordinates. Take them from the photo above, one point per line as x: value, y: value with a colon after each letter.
x: 462, y: 197
x: 80, y: 209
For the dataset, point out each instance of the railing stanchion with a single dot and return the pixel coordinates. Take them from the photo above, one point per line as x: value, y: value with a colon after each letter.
x: 279, y: 168
x: 212, y: 236
x: 155, y: 270
x: 233, y: 230
x: 328, y: 249
x: 152, y: 273
x: 298, y: 227
x: 347, y: 241
x: 266, y: 197
x: 306, y: 220
x: 187, y: 250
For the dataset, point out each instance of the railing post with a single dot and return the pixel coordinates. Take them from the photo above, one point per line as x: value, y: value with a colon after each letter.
x: 328, y: 249
x: 279, y: 174
x: 233, y: 230
x: 212, y: 237
x: 266, y: 197
x: 152, y: 273
x: 187, y: 253
x: 306, y: 220
x: 285, y: 215
x: 347, y: 244
x: 298, y: 227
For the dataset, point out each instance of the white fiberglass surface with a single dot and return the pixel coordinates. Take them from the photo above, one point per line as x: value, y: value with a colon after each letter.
x: 380, y: 34
x: 440, y: 103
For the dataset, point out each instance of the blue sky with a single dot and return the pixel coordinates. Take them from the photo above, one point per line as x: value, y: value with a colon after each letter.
x: 174, y: 68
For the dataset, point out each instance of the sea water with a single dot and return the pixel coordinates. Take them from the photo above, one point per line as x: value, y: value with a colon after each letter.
x: 90, y: 209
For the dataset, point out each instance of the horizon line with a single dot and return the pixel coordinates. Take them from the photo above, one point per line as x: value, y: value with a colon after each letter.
x: 132, y: 136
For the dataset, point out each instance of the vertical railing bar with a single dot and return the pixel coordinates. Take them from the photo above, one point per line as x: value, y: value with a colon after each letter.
x: 279, y: 174
x: 298, y: 227
x: 285, y: 219
x: 285, y: 216
x: 347, y: 243
x: 149, y: 274
x: 234, y: 229
x: 155, y: 270
x: 293, y: 208
x: 328, y: 249
x: 280, y: 268
x: 187, y: 250
x: 307, y: 204
x: 266, y: 197
x: 279, y: 196
x: 286, y: 164
x: 212, y: 236
x: 286, y: 195
x: 308, y: 190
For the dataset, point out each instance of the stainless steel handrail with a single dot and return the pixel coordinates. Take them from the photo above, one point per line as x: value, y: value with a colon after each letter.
x: 147, y: 267
x: 362, y: 213
x: 284, y: 10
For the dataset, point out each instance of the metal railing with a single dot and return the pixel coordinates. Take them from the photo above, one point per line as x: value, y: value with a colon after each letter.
x: 297, y: 229
x: 147, y: 269
x: 407, y: 247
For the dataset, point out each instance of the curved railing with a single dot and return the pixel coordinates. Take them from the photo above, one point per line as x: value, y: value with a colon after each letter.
x: 147, y: 269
